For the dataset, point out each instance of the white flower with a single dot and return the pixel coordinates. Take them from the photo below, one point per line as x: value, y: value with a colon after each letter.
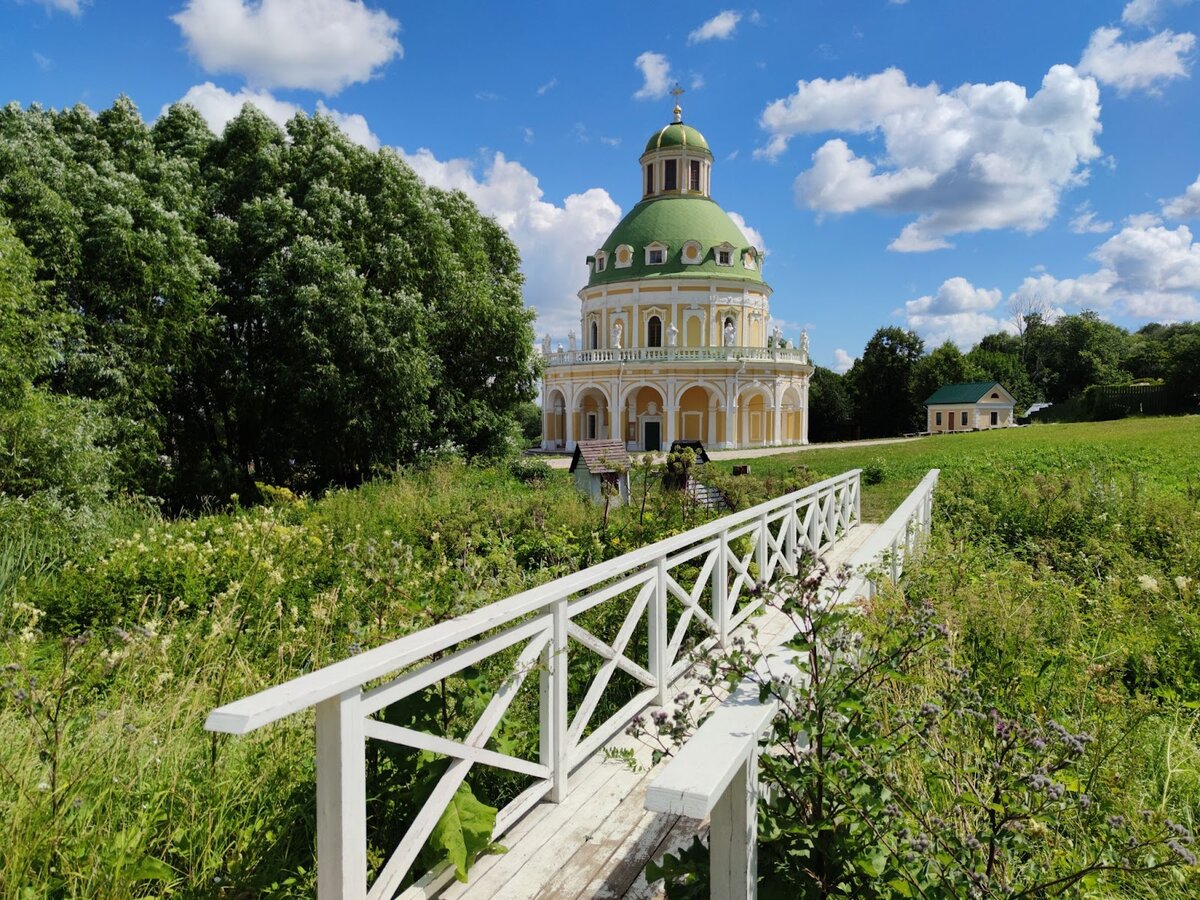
x: 1149, y: 583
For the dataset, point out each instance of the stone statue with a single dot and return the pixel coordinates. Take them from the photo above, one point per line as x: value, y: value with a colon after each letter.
x: 546, y: 345
x: 618, y: 331
x: 776, y: 337
x: 730, y: 333
x: 672, y: 335
x: 560, y: 348
x: 571, y: 340
x: 804, y: 345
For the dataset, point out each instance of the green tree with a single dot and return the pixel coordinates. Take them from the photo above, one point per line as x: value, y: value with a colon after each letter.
x: 830, y: 406
x: 944, y: 365
x: 882, y: 381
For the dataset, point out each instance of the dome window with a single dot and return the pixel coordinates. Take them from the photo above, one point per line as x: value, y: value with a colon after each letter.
x: 656, y: 254
x: 724, y: 254
x: 693, y: 253
x: 624, y: 257
x: 694, y: 175
x: 671, y: 175
x: 601, y: 261
x: 650, y: 178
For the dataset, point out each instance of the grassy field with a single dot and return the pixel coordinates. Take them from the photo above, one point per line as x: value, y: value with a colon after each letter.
x: 1065, y: 559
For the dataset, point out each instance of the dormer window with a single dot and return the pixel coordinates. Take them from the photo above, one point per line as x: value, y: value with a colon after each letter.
x: 750, y: 259
x: 724, y: 254
x: 656, y: 254
x: 601, y: 262
x: 693, y: 253
x: 624, y: 257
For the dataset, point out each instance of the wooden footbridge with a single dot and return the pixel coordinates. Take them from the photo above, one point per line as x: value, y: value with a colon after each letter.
x: 589, y: 822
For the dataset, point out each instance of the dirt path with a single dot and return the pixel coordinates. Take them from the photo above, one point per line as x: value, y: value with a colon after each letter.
x: 564, y: 461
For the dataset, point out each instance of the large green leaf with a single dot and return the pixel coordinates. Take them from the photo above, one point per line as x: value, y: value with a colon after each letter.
x: 464, y: 830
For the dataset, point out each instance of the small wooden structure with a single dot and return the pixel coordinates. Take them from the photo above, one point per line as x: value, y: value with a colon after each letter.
x: 973, y: 406
x: 597, y: 463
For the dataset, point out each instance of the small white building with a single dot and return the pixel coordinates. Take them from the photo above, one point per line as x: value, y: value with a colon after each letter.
x: 596, y: 463
x: 973, y: 406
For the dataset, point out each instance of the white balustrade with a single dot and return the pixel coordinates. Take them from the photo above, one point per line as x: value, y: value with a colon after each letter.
x: 545, y: 625
x: 714, y: 774
x: 660, y: 354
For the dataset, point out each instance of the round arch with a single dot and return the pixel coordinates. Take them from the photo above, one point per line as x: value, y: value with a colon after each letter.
x: 715, y: 391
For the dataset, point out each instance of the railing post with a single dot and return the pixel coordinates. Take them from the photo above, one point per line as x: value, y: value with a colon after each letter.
x: 552, y: 736
x: 733, y: 836
x: 762, y: 552
x: 720, y: 589
x: 856, y: 487
x: 341, y: 798
x: 793, y: 563
x: 660, y: 666
x: 896, y: 560
x: 815, y: 526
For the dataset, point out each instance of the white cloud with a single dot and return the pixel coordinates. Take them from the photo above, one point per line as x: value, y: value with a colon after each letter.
x: 719, y: 27
x: 548, y: 86
x: 958, y: 312
x: 1085, y: 221
x: 554, y: 240
x: 1136, y: 65
x: 611, y: 141
x: 1186, y: 204
x: 1147, y: 12
x: 981, y: 156
x: 1147, y: 271
x: 44, y: 63
x: 753, y: 235
x: 656, y: 76
x: 324, y: 45
x: 72, y: 7
x: 218, y: 106
x: 842, y: 361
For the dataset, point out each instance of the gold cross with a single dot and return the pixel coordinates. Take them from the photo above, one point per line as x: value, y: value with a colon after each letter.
x: 677, y: 90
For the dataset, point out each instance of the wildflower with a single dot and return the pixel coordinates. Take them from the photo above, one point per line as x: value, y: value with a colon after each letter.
x: 1148, y: 583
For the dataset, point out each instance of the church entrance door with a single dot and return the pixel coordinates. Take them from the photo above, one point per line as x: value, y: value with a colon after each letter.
x: 653, y: 435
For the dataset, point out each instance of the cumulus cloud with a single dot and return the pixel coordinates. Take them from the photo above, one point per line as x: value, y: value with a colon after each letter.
x: 656, y: 76
x: 1146, y: 12
x: 1147, y: 271
x: 981, y: 156
x: 323, y: 45
x: 753, y: 235
x: 842, y: 361
x: 218, y: 106
x: 554, y: 240
x: 1136, y: 65
x: 1186, y: 205
x: 719, y: 27
x: 958, y: 312
x: 1085, y: 221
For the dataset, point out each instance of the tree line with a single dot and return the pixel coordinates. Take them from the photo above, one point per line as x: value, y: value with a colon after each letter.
x: 1051, y: 360
x: 184, y: 314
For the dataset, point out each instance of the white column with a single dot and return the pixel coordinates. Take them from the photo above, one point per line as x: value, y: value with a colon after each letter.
x: 804, y: 413
x: 710, y: 439
x: 775, y: 423
x: 731, y: 423
x: 570, y: 432
x: 669, y: 415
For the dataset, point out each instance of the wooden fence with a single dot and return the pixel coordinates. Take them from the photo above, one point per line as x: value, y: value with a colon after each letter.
x: 543, y: 625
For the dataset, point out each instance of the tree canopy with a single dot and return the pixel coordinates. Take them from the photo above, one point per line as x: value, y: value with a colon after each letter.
x: 269, y: 304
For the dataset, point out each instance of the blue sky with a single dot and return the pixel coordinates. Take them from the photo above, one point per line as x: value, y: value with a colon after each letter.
x: 927, y: 163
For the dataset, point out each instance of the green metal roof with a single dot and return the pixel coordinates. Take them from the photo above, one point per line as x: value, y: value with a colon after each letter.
x: 673, y: 221
x: 677, y: 135
x: 971, y: 392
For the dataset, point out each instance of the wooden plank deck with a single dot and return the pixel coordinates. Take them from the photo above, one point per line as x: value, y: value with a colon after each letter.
x: 597, y: 842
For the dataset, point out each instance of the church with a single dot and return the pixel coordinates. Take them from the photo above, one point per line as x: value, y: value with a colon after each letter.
x: 674, y: 341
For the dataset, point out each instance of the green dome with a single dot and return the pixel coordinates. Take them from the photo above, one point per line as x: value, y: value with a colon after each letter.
x: 673, y: 221
x: 677, y: 135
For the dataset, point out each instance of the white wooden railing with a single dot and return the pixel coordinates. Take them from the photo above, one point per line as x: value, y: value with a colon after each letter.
x: 714, y: 774
x: 644, y: 354
x: 545, y: 624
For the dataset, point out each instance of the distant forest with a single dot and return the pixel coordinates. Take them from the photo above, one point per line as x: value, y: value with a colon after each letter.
x: 183, y: 314
x: 1056, y: 361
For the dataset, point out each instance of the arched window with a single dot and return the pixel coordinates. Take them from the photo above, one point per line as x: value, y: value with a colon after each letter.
x: 595, y: 342
x: 654, y: 332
